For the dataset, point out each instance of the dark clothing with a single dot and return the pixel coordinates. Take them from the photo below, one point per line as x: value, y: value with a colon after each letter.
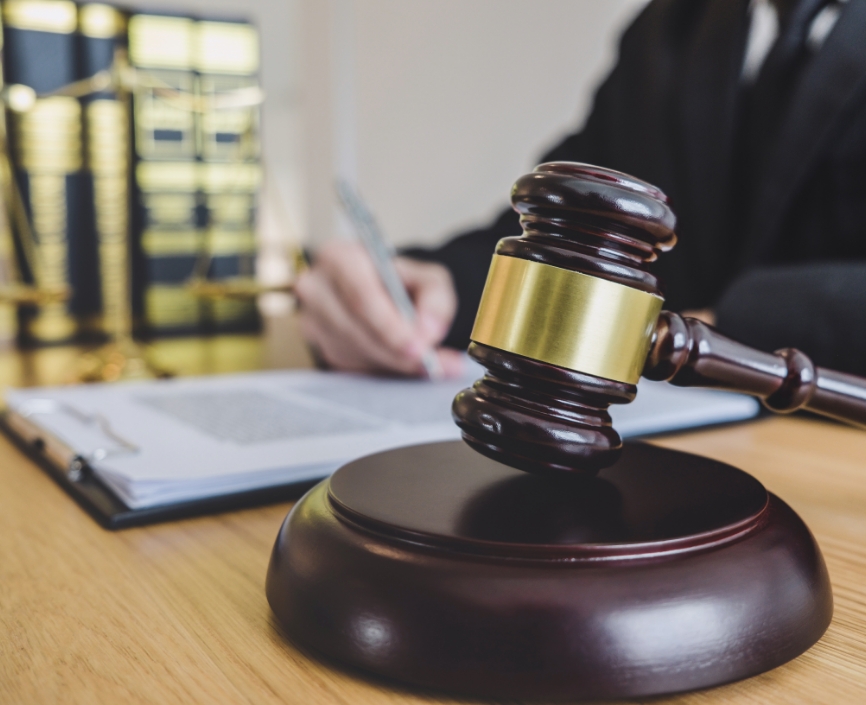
x: 671, y: 113
x: 819, y: 308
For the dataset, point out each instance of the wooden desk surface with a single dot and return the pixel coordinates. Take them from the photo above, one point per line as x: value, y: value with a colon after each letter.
x: 176, y: 613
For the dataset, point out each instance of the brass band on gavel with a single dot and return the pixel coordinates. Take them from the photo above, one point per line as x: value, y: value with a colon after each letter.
x: 566, y: 318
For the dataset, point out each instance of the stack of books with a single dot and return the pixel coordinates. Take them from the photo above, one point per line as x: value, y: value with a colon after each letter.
x: 134, y: 147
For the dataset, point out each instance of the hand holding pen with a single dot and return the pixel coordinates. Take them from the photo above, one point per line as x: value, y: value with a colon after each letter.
x: 349, y: 316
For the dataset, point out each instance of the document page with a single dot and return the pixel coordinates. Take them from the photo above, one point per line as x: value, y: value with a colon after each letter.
x: 159, y: 442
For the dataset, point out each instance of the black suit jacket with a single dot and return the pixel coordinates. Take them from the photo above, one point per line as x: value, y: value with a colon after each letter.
x: 782, y: 261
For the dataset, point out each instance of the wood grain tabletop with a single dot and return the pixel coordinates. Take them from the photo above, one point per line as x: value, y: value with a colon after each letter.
x: 176, y: 613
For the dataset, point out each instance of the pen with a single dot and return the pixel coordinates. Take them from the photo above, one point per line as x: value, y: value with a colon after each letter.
x: 383, y: 259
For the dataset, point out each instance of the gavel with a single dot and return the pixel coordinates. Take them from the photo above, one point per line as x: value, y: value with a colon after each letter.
x: 571, y: 317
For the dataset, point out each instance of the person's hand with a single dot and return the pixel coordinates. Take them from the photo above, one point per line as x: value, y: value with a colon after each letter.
x: 707, y: 315
x: 348, y: 317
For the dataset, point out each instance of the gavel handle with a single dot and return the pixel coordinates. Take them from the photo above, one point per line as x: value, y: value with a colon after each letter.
x: 689, y: 353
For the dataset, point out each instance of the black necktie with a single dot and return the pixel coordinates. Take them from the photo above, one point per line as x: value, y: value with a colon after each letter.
x: 767, y: 100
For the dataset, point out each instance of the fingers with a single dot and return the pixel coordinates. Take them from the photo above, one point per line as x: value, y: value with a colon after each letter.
x: 452, y: 362
x: 343, y: 345
x: 432, y: 291
x: 341, y: 338
x: 707, y: 315
x: 347, y: 314
x: 354, y: 278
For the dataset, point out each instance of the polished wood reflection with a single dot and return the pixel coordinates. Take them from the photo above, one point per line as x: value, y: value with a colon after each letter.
x: 279, y: 346
x: 436, y: 566
x: 689, y: 353
x: 176, y: 613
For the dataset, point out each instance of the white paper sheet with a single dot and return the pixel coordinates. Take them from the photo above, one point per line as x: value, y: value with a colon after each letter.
x: 168, y: 441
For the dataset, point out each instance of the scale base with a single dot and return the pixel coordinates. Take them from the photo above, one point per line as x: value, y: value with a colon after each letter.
x: 119, y: 360
x: 437, y: 567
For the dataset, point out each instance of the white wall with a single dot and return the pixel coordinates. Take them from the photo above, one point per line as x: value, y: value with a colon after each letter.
x: 436, y: 106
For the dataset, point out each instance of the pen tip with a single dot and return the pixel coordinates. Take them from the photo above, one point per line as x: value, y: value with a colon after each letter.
x: 432, y: 366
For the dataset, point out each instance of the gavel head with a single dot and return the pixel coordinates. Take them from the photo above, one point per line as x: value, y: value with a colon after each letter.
x: 566, y: 319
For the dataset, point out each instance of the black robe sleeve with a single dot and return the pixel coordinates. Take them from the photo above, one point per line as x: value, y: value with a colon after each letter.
x: 818, y: 308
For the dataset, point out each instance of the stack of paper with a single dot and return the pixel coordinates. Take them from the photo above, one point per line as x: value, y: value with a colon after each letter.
x: 156, y: 443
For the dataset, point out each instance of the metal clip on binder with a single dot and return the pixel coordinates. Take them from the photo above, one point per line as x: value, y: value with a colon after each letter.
x: 93, y: 433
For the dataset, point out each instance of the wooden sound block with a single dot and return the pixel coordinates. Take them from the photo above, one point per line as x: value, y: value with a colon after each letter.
x: 438, y: 567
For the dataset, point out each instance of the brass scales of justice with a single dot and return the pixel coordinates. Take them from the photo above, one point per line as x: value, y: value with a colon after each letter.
x: 122, y: 357
x: 543, y: 558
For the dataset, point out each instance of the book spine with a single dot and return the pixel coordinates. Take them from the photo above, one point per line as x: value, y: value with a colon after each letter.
x: 227, y: 60
x: 102, y: 40
x: 9, y: 269
x: 45, y: 140
x: 167, y: 214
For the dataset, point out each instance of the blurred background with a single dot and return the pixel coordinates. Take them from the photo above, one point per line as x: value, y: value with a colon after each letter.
x: 430, y: 108
x: 436, y: 106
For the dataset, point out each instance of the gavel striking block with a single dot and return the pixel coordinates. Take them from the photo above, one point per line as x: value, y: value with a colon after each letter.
x: 570, y: 318
x: 608, y: 570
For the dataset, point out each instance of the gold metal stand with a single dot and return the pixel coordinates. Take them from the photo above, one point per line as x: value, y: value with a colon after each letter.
x: 122, y: 358
x: 235, y: 288
x: 107, y: 121
x: 16, y: 293
x: 248, y: 287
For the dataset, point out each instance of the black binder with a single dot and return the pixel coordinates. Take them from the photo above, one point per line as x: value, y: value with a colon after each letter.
x: 77, y: 479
